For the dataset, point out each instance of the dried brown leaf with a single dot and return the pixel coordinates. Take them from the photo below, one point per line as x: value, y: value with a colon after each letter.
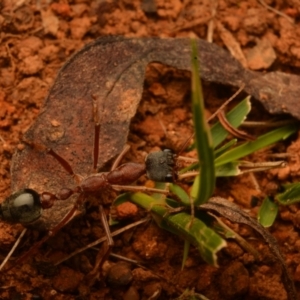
x: 113, y: 69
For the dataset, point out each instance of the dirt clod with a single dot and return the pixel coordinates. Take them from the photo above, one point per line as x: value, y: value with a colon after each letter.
x: 67, y: 280
x: 234, y: 281
x: 126, y: 210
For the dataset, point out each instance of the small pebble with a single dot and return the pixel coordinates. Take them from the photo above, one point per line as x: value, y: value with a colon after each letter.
x: 131, y: 294
x: 119, y: 274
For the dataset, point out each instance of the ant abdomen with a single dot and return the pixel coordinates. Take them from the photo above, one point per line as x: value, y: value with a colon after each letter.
x: 22, y: 207
x: 160, y: 166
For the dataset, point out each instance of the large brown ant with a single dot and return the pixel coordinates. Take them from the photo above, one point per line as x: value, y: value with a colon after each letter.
x: 26, y: 205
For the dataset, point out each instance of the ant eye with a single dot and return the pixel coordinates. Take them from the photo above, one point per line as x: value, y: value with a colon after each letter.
x: 22, y: 207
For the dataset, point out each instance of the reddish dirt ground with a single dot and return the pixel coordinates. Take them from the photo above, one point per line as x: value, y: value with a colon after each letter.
x: 37, y: 37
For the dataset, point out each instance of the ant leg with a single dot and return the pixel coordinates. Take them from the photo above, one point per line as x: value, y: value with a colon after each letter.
x: 97, y: 139
x: 62, y: 161
x: 135, y: 188
x: 101, y: 258
x: 58, y: 158
x: 96, y: 133
x: 105, y: 224
x: 65, y: 165
x: 119, y: 158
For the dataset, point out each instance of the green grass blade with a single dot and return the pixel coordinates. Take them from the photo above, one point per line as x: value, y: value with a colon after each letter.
x: 186, y: 250
x: 160, y: 186
x: 229, y: 169
x: 194, y: 166
x: 225, y: 147
x: 290, y: 195
x: 267, y: 212
x: 122, y: 198
x: 261, y: 142
x: 203, y: 140
x: 183, y: 224
x: 181, y: 194
x: 194, y: 230
x: 235, y: 117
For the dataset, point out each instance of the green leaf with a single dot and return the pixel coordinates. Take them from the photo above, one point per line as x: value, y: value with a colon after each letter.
x: 261, y: 142
x: 122, y: 198
x: 193, y: 166
x: 183, y: 224
x: 204, y: 146
x: 225, y: 147
x: 235, y: 117
x: 194, y: 230
x: 181, y: 194
x: 159, y: 186
x: 229, y: 169
x: 267, y: 212
x: 290, y: 195
x: 186, y: 250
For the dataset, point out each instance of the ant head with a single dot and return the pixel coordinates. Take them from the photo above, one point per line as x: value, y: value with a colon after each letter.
x: 160, y: 166
x: 22, y: 207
